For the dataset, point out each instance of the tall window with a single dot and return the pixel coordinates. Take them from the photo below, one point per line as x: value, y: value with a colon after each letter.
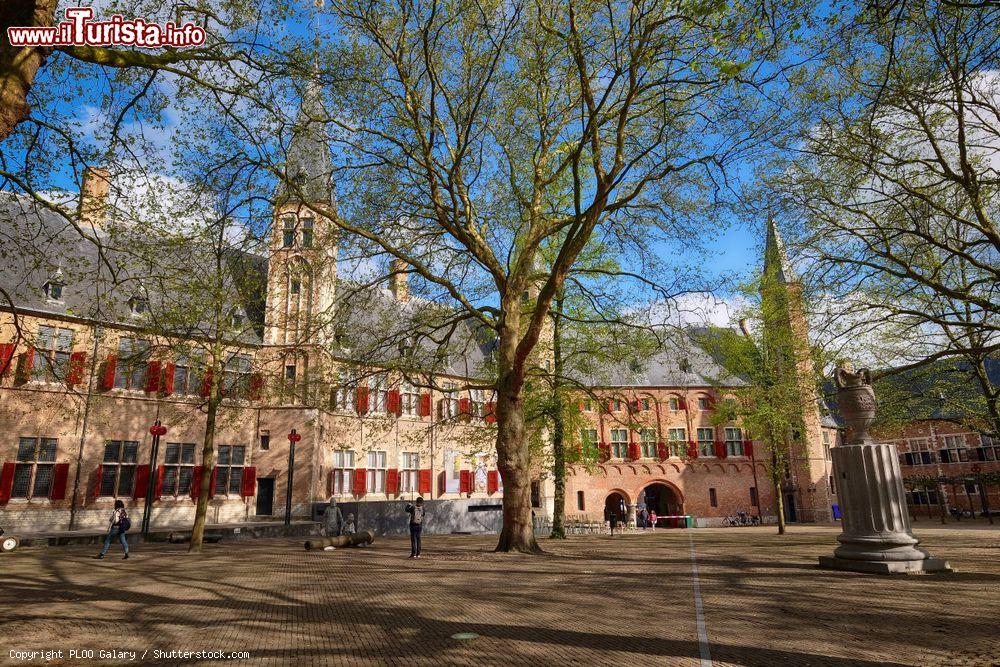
x: 343, y: 472
x: 677, y: 439
x: 588, y: 436
x: 580, y: 504
x: 753, y: 496
x: 588, y: 405
x: 619, y: 443
x: 229, y: 469
x: 378, y: 388
x: 647, y: 438
x: 33, y: 469
x: 307, y: 232
x: 288, y: 231
x: 187, y: 376
x: 713, y: 499
x: 130, y: 371
x: 178, y: 468
x: 826, y: 446
x: 644, y: 404
x: 409, y: 476
x: 449, y: 402
x: 478, y: 401
x: 409, y: 398
x: 674, y: 403
x: 118, y: 469
x: 343, y: 394
x: 616, y: 405
x: 376, y: 472
x: 237, y: 376
x: 52, y: 350
x: 703, y: 403
x: 734, y: 441
x: 706, y: 442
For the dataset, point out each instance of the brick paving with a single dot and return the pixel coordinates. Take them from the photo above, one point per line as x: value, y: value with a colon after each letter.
x: 592, y: 600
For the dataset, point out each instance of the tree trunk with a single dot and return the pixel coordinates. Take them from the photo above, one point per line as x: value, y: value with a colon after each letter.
x: 558, y: 434
x: 513, y: 461
x: 208, y: 466
x: 940, y: 497
x: 19, y: 65
x: 779, y: 498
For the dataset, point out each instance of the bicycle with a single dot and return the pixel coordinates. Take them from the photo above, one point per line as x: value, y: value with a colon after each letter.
x: 960, y: 514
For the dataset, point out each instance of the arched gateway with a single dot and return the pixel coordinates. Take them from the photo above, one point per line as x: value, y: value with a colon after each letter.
x: 662, y: 498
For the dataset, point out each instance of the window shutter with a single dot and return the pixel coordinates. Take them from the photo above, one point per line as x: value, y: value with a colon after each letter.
x: 720, y: 449
x: 168, y: 379
x: 206, y: 384
x: 153, y: 369
x: 98, y: 478
x: 361, y: 400
x: 492, y: 481
x: 682, y: 403
x: 392, y: 403
x: 6, y: 481
x: 634, y: 452
x: 329, y: 482
x: 360, y: 481
x: 582, y: 406
x: 60, y: 475
x: 196, y: 481
x: 605, y: 451
x: 256, y: 387
x: 27, y: 362
x: 465, y: 481
x: 748, y: 448
x: 692, y: 450
x: 464, y: 408
x: 661, y: 451
x: 141, y: 481
x: 391, y: 482
x: 158, y: 488
x: 611, y: 405
x: 425, y: 481
x: 6, y: 354
x: 77, y: 367
x: 249, y: 485
x: 108, y: 379
x: 425, y: 405
x: 491, y: 413
x: 211, y: 486
x: 638, y: 405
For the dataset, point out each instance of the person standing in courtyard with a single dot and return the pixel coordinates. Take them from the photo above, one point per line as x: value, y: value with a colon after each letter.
x: 417, y: 515
x: 333, y: 519
x: 120, y: 523
x: 652, y: 519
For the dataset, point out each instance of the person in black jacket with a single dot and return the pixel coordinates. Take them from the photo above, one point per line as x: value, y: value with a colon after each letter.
x: 417, y: 516
x: 116, y: 530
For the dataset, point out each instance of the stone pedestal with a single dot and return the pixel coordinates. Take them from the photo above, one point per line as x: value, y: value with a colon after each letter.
x: 876, y: 533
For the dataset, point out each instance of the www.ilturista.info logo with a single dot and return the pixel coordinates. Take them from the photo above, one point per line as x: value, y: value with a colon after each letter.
x: 79, y: 30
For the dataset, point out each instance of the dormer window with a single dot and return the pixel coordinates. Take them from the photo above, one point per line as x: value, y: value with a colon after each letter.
x: 288, y: 232
x: 54, y: 290
x: 307, y: 232
x: 138, y: 305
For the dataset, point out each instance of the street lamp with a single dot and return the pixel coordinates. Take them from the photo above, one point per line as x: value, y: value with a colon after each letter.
x: 293, y: 437
x: 157, y: 429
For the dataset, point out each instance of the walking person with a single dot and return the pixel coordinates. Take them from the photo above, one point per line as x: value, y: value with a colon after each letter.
x: 120, y: 523
x: 417, y: 516
x: 643, y: 518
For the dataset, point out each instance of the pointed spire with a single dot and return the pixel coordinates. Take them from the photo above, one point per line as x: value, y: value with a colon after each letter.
x: 308, y: 165
x: 775, y: 255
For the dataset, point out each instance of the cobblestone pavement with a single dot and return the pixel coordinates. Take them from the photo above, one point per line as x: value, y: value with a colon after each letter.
x: 592, y: 600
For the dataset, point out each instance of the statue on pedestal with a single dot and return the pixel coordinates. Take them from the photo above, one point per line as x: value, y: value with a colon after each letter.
x: 876, y: 533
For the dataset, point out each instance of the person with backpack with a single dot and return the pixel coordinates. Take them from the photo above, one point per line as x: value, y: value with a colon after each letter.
x: 120, y: 523
x: 417, y: 515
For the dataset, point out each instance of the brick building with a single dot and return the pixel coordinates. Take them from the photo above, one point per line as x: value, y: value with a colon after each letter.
x: 84, y: 377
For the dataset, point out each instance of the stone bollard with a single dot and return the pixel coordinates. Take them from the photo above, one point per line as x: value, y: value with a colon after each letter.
x: 876, y: 533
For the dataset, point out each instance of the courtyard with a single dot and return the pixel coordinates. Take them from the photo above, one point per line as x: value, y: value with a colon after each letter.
x: 626, y: 600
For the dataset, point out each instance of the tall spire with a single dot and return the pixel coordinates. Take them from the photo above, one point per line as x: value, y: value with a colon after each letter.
x: 308, y: 166
x: 775, y: 255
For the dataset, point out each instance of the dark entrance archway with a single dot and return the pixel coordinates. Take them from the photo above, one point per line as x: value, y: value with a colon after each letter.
x: 661, y: 498
x: 615, y: 506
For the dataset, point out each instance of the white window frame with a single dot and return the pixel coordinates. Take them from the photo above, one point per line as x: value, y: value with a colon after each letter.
x: 376, y: 471
x: 343, y: 472
x: 409, y: 472
x: 677, y: 439
x: 619, y: 443
x: 734, y: 441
